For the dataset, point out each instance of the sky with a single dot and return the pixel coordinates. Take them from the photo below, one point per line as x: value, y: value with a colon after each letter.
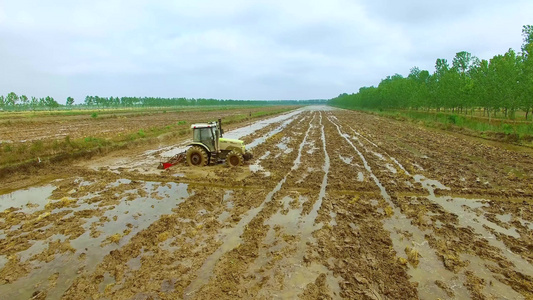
x: 237, y: 49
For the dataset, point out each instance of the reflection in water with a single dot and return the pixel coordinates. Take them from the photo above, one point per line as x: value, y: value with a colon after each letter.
x: 129, y: 215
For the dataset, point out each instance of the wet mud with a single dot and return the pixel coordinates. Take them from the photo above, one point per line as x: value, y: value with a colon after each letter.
x: 335, y: 204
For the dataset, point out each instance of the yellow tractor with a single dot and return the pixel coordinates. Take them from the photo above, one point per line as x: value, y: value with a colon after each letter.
x: 209, y: 147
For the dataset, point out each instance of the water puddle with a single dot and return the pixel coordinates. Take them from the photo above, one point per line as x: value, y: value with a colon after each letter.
x: 504, y: 218
x: 121, y: 220
x: 287, y: 218
x: 28, y: 200
x: 360, y: 176
x: 312, y: 147
x: 298, y: 160
x: 419, y: 167
x: 469, y: 218
x: 257, y: 167
x: 247, y: 130
x: 466, y: 210
x: 391, y: 168
x: 333, y: 221
x: 525, y: 223
x: 262, y: 139
x: 429, y: 184
x: 282, y: 145
x: 491, y: 285
x: 223, y: 217
x: 346, y: 160
x: 378, y: 155
x: 3, y: 261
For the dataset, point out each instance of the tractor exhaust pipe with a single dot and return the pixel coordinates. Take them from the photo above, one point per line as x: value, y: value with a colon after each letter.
x: 220, y: 127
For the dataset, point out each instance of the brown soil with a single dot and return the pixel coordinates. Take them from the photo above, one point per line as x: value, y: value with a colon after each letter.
x: 344, y: 205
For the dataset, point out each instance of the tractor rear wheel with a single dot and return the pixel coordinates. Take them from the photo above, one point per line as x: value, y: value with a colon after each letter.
x: 234, y: 159
x: 196, y: 156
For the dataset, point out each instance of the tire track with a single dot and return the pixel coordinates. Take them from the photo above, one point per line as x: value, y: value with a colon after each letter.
x: 467, y: 219
x: 233, y: 238
x: 307, y: 226
x: 424, y: 276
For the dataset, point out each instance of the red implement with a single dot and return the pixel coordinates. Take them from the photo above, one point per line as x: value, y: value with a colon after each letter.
x: 174, y: 160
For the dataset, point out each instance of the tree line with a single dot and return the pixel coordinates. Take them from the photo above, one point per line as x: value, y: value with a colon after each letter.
x: 501, y: 84
x: 14, y: 102
x: 167, y: 102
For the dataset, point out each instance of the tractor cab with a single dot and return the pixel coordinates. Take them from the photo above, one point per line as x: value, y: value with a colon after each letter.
x: 206, y: 134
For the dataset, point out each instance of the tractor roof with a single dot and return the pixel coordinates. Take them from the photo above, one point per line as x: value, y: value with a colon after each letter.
x: 204, y: 125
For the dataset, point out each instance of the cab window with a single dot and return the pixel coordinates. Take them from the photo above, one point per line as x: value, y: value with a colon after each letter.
x: 203, y: 134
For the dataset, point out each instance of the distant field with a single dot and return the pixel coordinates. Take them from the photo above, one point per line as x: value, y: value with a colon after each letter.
x: 33, y: 135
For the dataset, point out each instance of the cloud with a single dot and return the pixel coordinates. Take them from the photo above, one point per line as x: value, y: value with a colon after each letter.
x: 239, y: 49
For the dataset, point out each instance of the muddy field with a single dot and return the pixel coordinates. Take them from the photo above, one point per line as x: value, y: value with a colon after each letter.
x: 335, y: 204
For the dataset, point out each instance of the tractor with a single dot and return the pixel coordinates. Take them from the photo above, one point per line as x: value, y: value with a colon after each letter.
x: 208, y: 146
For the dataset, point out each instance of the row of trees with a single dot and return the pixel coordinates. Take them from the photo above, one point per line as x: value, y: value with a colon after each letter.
x: 503, y: 83
x: 13, y: 102
x: 164, y: 102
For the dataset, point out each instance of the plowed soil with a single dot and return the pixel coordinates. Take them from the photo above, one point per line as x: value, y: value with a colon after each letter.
x: 335, y: 204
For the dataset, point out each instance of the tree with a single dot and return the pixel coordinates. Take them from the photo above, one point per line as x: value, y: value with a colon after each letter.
x: 11, y: 99
x: 482, y: 89
x: 50, y: 102
x: 525, y: 81
x: 2, y: 101
x: 462, y: 63
x: 527, y: 33
x: 34, y: 102
x: 70, y: 101
x: 441, y: 85
x: 419, y: 94
x: 24, y: 99
x: 504, y: 74
x: 89, y: 100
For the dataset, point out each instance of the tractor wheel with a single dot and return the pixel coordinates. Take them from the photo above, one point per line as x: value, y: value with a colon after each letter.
x: 234, y: 159
x: 196, y: 156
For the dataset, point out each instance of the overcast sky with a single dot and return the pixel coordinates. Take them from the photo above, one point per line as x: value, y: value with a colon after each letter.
x: 239, y: 49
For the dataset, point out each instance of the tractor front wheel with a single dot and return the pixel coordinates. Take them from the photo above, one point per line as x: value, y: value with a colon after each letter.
x: 234, y: 159
x: 196, y: 156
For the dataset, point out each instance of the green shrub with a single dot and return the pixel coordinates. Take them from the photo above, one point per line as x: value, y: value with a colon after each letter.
x: 94, y: 115
x: 452, y: 119
x: 507, y: 128
x: 8, y: 148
